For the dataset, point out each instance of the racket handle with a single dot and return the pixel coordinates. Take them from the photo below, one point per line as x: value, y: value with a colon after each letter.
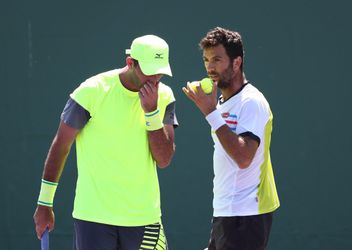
x: 45, y: 240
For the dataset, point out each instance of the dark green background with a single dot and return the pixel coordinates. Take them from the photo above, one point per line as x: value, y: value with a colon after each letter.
x: 297, y: 52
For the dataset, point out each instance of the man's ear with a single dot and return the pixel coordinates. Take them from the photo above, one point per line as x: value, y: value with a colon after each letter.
x: 129, y: 62
x: 237, y: 62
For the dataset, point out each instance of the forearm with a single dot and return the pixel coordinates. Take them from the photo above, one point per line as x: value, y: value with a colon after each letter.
x: 240, y: 148
x: 54, y: 164
x: 235, y: 146
x: 162, y: 147
x: 55, y: 161
x: 58, y: 152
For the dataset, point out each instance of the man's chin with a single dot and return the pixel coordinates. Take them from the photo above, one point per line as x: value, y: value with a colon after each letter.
x: 223, y: 85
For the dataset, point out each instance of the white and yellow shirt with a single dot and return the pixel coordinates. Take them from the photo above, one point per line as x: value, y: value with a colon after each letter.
x: 250, y: 191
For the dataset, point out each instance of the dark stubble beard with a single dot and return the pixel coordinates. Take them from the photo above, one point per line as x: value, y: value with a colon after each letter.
x: 225, y: 80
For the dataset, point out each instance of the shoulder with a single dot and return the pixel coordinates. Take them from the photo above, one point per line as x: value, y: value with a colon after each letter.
x: 253, y: 95
x: 101, y: 81
x: 163, y: 88
x: 165, y: 91
x: 92, y: 88
x: 253, y: 99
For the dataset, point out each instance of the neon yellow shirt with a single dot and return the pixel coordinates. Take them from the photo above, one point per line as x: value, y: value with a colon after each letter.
x: 117, y: 177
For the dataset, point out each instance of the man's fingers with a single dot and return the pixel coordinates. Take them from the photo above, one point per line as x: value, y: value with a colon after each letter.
x: 40, y: 230
x: 142, y: 92
x: 188, y: 93
x: 185, y: 90
x: 189, y: 87
x: 150, y: 87
x: 147, y: 88
x: 39, y: 235
x: 50, y: 227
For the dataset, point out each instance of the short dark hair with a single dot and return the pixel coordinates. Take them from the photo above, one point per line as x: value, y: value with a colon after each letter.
x: 231, y: 40
x: 135, y: 61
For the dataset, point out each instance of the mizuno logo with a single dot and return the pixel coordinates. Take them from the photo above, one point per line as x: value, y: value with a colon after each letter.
x: 158, y: 56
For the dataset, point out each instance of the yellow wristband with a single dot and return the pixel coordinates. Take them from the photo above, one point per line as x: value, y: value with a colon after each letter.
x: 153, y: 120
x: 47, y: 193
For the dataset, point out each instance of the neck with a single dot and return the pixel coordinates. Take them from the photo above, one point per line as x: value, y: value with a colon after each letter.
x: 238, y: 81
x: 126, y: 78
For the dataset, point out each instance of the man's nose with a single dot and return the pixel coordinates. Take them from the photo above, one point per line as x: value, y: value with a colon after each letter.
x: 210, y: 67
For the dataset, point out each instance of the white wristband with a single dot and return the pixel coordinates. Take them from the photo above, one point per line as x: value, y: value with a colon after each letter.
x: 215, y: 119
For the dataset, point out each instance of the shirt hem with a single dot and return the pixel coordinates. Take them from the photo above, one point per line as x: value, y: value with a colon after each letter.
x: 246, y: 213
x: 117, y: 222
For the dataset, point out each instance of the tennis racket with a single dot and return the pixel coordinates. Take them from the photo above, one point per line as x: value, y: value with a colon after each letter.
x: 45, y: 240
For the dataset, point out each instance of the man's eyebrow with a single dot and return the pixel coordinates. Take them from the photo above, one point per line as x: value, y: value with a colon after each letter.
x: 214, y: 57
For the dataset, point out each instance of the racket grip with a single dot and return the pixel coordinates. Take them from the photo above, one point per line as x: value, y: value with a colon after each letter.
x: 45, y: 240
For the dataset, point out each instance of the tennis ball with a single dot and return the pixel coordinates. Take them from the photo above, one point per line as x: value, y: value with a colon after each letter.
x: 206, y: 85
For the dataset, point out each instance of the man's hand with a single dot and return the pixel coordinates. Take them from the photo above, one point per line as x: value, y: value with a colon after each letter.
x: 43, y: 218
x: 206, y: 103
x: 149, y: 97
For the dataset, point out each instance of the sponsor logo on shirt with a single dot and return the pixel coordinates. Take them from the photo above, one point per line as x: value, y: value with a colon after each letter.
x: 230, y: 119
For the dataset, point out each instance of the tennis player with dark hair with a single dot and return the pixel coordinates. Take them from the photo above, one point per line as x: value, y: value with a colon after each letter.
x: 245, y: 195
x: 123, y: 124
